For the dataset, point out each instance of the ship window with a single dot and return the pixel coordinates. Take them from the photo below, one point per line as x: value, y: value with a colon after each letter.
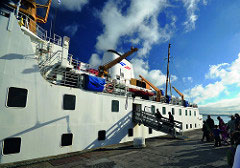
x: 186, y: 112
x: 101, y: 135
x: 190, y: 125
x: 180, y: 112
x: 130, y: 132
x: 115, y: 106
x: 190, y: 113
x: 173, y: 112
x: 69, y: 102
x: 186, y: 126
x: 11, y: 145
x: 153, y: 109
x: 17, y: 97
x: 117, y: 77
x: 195, y: 125
x: 194, y: 113
x: 164, y: 110
x: 67, y: 139
x: 150, y: 130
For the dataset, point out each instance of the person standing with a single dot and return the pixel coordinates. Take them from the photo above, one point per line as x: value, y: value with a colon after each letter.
x: 210, y: 124
x: 221, y: 122
x: 237, y: 122
x: 170, y: 118
x: 231, y: 128
x: 216, y: 133
x: 158, y: 115
x: 205, y: 130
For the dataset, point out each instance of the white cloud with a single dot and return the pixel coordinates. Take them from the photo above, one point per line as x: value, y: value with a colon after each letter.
x: 71, y: 29
x: 72, y: 5
x: 200, y: 93
x: 154, y: 76
x: 205, y: 2
x: 187, y: 79
x: 135, y: 41
x: 191, y: 7
x: 95, y: 60
x: 227, y: 73
x: 222, y: 106
x: 141, y: 19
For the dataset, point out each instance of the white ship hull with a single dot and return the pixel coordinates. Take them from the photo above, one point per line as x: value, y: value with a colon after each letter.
x: 41, y: 124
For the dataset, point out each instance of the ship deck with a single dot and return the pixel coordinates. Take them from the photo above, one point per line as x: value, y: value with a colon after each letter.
x: 159, y: 152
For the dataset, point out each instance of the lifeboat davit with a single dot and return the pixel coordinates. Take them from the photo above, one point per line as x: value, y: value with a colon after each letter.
x: 139, y: 92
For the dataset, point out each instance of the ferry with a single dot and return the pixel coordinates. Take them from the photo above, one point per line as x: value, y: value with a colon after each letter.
x: 52, y: 104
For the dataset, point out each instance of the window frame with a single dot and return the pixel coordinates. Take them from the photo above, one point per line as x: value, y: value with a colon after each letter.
x: 3, y: 146
x: 8, y: 98
x: 112, y: 110
x: 164, y: 110
x: 180, y: 112
x: 62, y: 139
x: 102, y: 139
x: 64, y: 105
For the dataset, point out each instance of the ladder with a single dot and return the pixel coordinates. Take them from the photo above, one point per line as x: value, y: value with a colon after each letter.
x: 148, y: 119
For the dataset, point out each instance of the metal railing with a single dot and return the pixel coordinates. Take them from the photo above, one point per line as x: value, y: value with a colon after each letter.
x: 31, y: 25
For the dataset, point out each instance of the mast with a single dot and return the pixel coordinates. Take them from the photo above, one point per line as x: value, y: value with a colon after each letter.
x: 169, y: 45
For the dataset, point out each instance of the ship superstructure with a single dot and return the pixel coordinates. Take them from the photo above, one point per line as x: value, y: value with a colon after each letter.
x: 52, y: 104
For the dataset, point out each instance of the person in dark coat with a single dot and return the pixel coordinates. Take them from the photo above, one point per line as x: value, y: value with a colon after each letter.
x: 237, y: 122
x: 210, y: 122
x: 205, y: 130
x: 158, y: 115
x: 171, y: 118
x: 216, y: 133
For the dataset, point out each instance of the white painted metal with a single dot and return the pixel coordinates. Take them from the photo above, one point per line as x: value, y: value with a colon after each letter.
x: 42, y: 122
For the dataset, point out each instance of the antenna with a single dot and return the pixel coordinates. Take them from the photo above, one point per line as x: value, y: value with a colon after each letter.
x: 169, y: 45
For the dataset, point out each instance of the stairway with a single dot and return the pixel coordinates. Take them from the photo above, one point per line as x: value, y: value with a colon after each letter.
x: 163, y: 125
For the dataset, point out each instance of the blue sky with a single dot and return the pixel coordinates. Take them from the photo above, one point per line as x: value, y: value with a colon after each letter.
x: 205, y: 38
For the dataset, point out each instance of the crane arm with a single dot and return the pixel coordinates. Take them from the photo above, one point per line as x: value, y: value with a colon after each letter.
x: 159, y: 94
x: 103, y: 69
x: 145, y: 80
x: 40, y: 19
x: 180, y: 94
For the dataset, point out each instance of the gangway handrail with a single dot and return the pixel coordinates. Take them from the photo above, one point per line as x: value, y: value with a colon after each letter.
x: 149, y: 118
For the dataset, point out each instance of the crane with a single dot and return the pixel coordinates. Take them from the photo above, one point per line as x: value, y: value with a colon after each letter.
x: 159, y: 94
x: 103, y: 69
x: 29, y: 8
x: 180, y: 94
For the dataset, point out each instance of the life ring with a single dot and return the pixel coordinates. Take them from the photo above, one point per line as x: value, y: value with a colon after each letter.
x: 109, y: 87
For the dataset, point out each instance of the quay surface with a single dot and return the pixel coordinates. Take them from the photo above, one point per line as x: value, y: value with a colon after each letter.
x: 164, y: 152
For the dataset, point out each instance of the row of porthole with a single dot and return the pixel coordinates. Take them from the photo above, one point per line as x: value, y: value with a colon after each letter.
x: 180, y: 111
x: 17, y: 97
x: 190, y: 125
x: 13, y: 145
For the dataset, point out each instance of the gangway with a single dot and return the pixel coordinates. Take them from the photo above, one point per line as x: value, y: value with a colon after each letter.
x: 149, y: 119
